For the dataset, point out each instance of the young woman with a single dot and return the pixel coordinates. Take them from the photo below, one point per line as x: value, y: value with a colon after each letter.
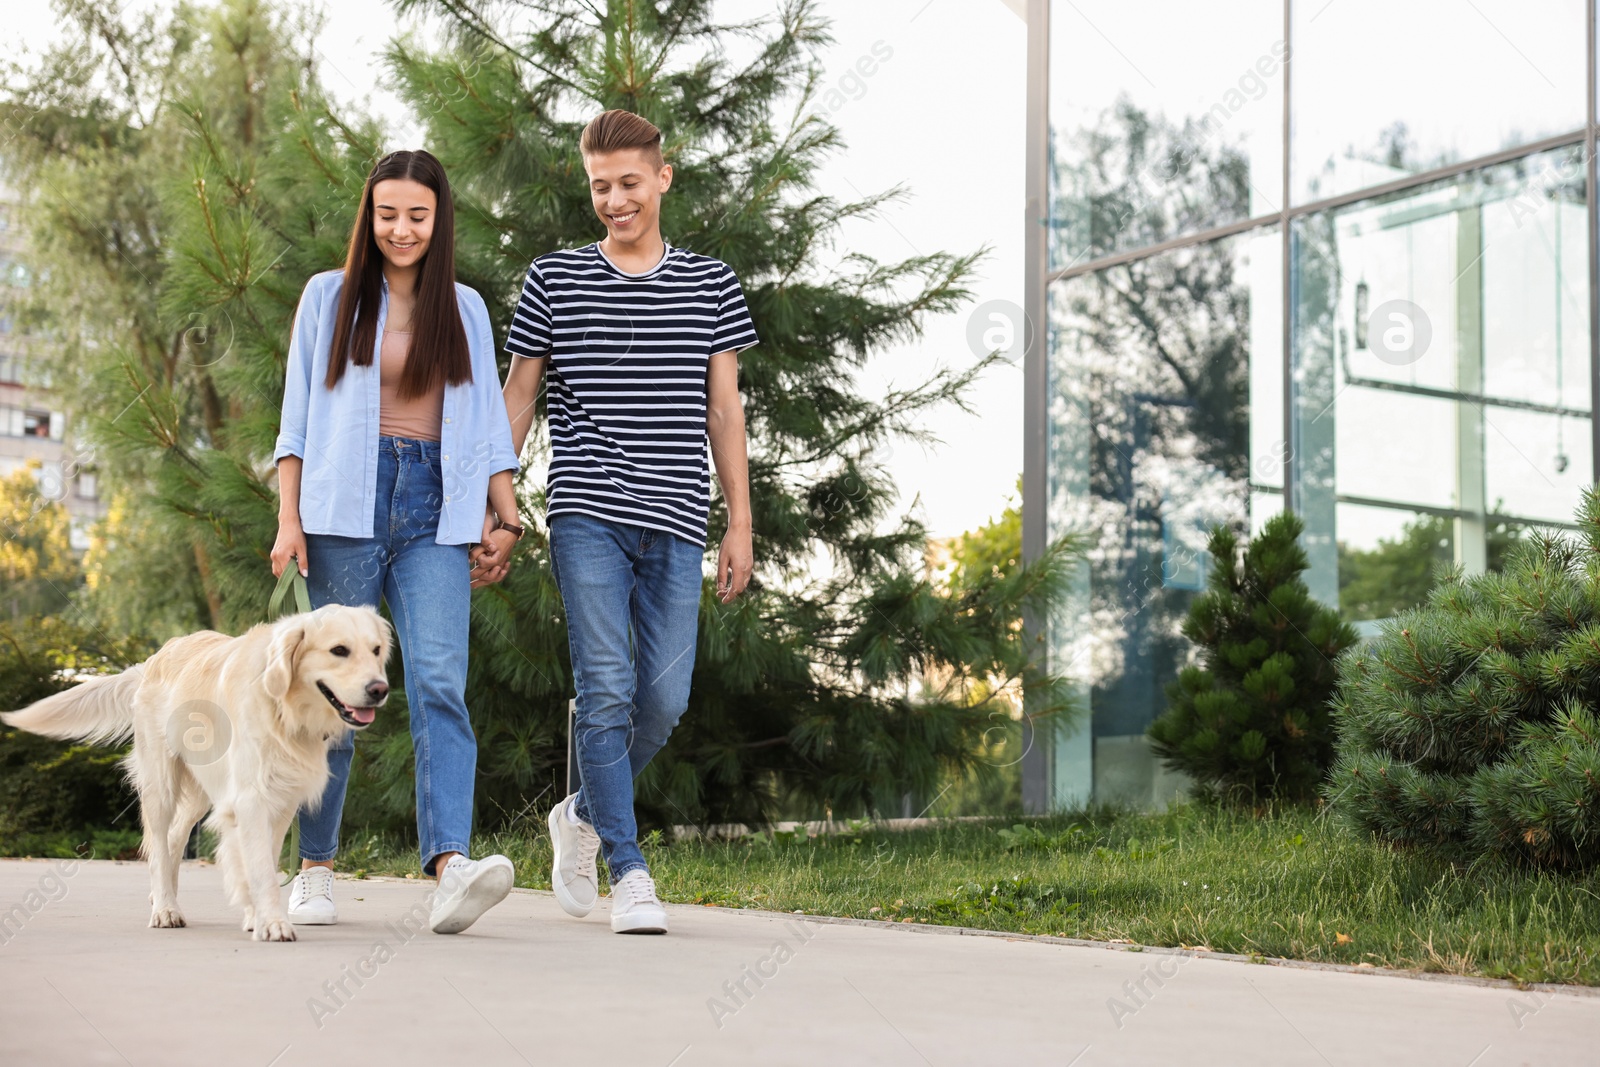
x: 394, y: 435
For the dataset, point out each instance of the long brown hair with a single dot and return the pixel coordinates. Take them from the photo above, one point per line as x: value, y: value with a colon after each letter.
x: 438, y: 349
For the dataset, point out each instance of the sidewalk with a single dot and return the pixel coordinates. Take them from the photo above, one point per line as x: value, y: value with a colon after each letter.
x: 83, y: 981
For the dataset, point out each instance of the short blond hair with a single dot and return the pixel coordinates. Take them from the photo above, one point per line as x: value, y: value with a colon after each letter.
x: 617, y: 131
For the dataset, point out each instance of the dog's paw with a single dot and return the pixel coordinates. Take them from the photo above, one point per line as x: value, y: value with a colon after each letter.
x: 166, y: 918
x: 249, y: 920
x: 274, y: 930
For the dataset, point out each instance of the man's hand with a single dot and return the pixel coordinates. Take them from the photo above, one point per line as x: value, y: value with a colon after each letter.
x: 493, y: 558
x: 735, y: 561
x: 725, y: 428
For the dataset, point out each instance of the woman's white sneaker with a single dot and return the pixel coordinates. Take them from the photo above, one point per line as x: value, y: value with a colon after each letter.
x: 572, y: 871
x: 311, y: 898
x: 634, y: 907
x: 467, y: 889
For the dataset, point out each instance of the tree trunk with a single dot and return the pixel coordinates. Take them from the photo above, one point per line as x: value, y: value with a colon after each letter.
x: 202, y: 563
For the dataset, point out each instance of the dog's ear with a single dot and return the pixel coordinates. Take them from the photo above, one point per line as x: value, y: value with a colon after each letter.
x: 283, y: 655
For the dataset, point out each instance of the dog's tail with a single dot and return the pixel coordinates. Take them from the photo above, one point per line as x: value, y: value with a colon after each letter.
x: 99, y: 710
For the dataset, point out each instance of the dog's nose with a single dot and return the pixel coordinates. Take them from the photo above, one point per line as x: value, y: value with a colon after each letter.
x: 376, y: 691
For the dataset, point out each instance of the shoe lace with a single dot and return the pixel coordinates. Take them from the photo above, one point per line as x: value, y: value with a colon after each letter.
x: 638, y: 888
x: 458, y: 869
x: 317, y: 881
x: 588, y: 846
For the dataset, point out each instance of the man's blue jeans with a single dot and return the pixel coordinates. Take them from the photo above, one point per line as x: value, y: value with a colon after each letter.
x: 632, y: 599
x: 428, y: 588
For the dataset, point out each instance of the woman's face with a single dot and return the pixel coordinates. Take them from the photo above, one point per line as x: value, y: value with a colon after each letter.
x: 402, y: 220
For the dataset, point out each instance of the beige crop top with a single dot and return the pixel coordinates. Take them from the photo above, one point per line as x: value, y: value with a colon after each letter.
x: 418, y: 417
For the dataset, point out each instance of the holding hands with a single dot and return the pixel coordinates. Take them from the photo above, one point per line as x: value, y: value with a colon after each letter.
x: 491, y: 557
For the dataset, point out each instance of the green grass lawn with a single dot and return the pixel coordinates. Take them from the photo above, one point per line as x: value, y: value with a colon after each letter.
x: 1289, y: 884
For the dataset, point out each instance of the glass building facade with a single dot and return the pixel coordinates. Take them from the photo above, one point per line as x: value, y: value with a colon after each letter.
x: 1332, y: 257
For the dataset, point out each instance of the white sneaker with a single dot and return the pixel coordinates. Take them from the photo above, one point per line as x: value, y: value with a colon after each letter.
x: 634, y: 907
x: 572, y: 872
x: 311, y: 898
x: 467, y: 890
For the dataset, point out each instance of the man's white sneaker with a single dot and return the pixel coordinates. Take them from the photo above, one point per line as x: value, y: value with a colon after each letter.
x: 572, y: 872
x: 311, y: 898
x: 467, y: 890
x: 634, y: 907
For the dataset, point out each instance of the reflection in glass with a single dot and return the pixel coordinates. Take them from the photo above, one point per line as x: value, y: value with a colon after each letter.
x: 1441, y: 372
x: 1159, y: 134
x: 1383, y: 89
x: 1151, y: 446
x: 1389, y: 560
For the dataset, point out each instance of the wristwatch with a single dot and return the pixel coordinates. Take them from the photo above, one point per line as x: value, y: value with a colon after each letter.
x: 501, y: 524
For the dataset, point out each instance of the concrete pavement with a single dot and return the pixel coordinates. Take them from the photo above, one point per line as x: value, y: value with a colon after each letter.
x: 83, y: 981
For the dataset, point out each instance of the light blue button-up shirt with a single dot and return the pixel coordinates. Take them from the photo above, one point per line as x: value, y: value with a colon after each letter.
x: 335, y: 431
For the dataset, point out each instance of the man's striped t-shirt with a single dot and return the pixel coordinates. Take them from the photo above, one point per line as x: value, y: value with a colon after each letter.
x: 628, y: 356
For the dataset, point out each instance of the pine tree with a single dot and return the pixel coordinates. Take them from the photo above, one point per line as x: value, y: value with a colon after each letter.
x: 801, y: 700
x: 800, y: 688
x: 1251, y: 722
x: 1468, y: 727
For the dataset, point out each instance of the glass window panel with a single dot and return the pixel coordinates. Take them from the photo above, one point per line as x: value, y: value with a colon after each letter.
x: 1441, y: 364
x: 1262, y: 272
x: 1535, y: 465
x: 1388, y: 559
x: 1263, y: 505
x: 1383, y: 89
x: 1535, y: 291
x: 1151, y: 367
x: 1413, y: 459
x: 1157, y: 134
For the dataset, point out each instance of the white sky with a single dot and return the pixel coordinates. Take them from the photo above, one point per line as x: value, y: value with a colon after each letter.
x: 942, y: 115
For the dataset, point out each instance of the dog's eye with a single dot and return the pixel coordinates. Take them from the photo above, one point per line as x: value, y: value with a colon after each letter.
x: 339, y: 650
x: 377, y: 650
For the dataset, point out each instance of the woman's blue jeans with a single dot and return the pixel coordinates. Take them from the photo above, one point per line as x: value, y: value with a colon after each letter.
x: 632, y: 598
x: 428, y: 588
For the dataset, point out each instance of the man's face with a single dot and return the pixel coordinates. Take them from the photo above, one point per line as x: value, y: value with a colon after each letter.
x: 626, y: 189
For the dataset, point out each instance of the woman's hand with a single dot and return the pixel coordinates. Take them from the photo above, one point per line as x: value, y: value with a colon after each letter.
x: 291, y: 543
x: 484, y: 548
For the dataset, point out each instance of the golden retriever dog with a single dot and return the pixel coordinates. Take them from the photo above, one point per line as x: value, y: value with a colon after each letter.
x: 237, y: 725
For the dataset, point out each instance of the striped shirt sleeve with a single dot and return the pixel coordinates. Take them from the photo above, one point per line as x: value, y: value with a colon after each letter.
x: 733, y: 330
x: 530, y: 332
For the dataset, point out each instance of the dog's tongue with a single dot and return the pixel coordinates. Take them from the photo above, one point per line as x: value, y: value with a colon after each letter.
x: 363, y: 715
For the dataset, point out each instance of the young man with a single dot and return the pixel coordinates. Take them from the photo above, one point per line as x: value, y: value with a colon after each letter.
x: 640, y: 343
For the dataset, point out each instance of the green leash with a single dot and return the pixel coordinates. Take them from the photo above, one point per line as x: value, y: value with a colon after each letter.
x: 290, y: 579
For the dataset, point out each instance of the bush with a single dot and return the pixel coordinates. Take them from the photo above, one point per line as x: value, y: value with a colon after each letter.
x: 1469, y: 727
x: 1252, y: 721
x: 53, y: 788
